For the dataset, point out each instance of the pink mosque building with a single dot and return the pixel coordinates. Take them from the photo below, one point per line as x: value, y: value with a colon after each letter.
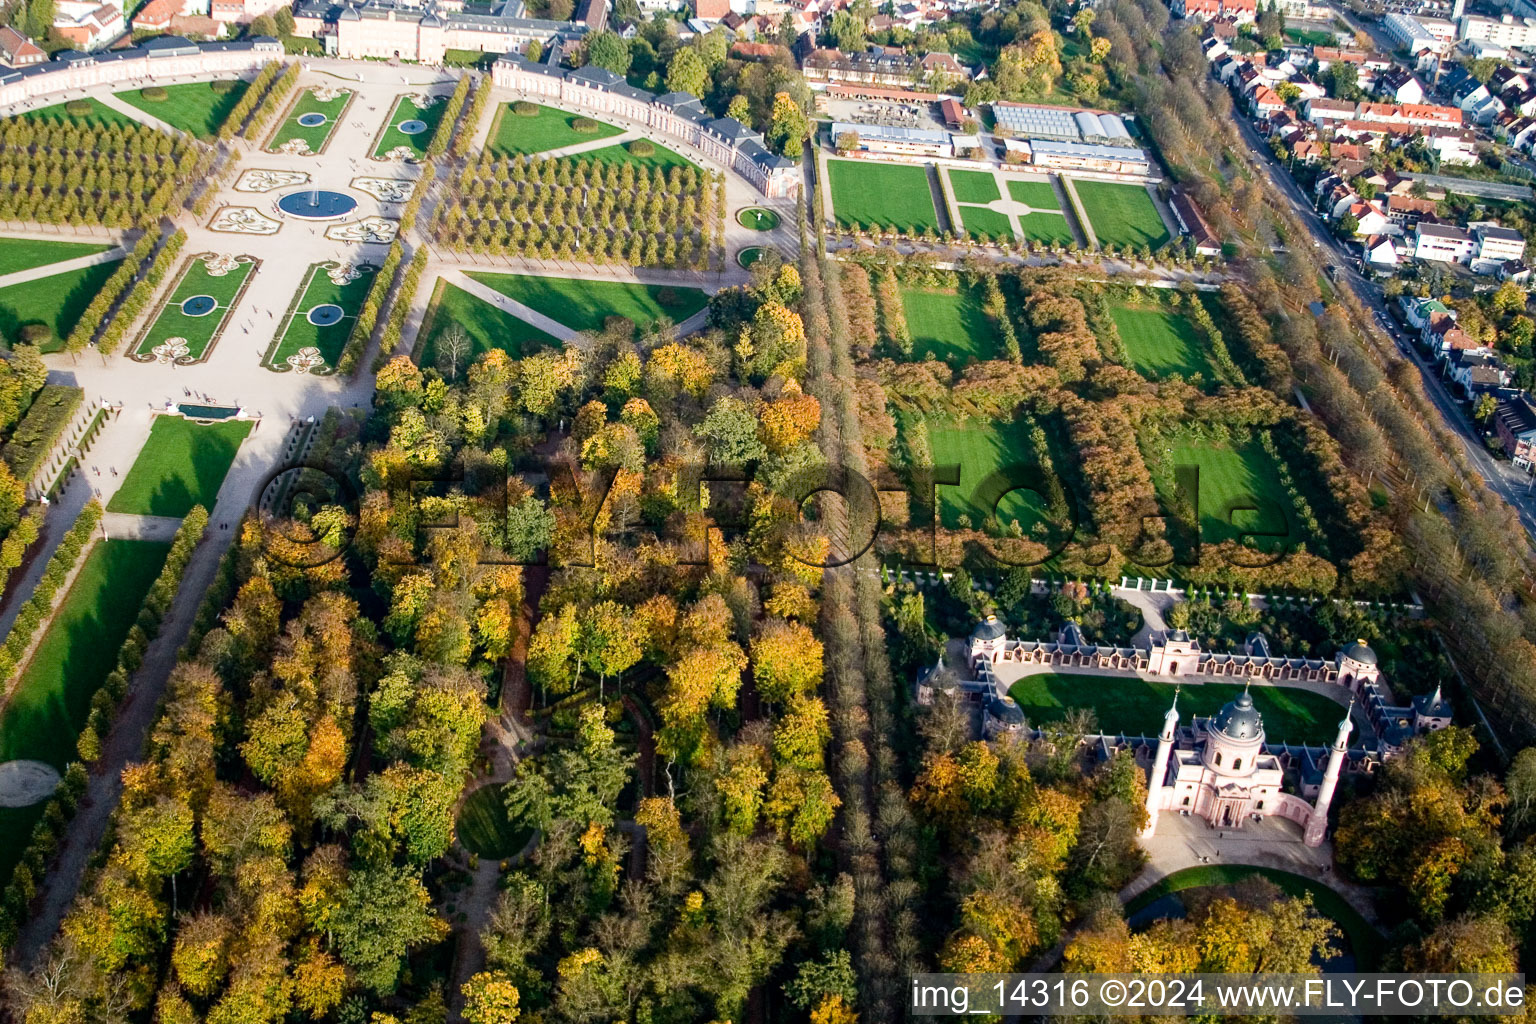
x: 1222, y: 769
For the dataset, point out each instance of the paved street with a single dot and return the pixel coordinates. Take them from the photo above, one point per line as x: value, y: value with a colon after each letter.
x: 1503, y: 478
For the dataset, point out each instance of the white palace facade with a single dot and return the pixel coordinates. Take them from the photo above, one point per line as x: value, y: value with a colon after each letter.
x: 163, y: 57
x: 724, y: 140
x: 1221, y: 769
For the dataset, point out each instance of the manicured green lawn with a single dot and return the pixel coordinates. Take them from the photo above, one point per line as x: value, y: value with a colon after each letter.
x: 198, y: 331
x: 49, y: 705
x: 182, y: 464
x: 487, y: 327
x: 1042, y: 226
x: 1037, y: 195
x: 1134, y: 706
x: 315, y: 136
x: 619, y: 154
x: 1121, y: 214
x: 101, y: 115
x: 981, y: 449
x: 1311, y: 36
x: 1362, y: 937
x: 758, y: 219
x: 484, y: 828
x: 300, y: 333
x: 586, y: 305
x: 17, y: 254
x: 57, y: 301
x: 1160, y: 341
x: 511, y: 133
x: 1047, y: 228
x: 947, y: 325
x: 974, y: 186
x: 893, y: 196
x: 193, y: 106
x: 980, y: 221
x: 405, y: 109
x: 1241, y: 478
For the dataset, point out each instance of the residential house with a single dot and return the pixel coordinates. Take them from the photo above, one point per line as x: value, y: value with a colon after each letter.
x: 1519, y: 132
x: 1306, y: 89
x: 1516, y: 271
x: 1266, y: 101
x: 17, y: 51
x: 94, y: 31
x: 1417, y: 311
x: 1406, y: 211
x: 1370, y: 219
x: 1515, y: 423
x: 1380, y: 253
x: 1400, y: 86
x: 1475, y: 372
x: 1307, y: 151
x: 1476, y: 102
x: 1458, y: 148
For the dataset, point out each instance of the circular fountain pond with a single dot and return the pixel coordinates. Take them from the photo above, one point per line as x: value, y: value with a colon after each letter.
x: 317, y: 204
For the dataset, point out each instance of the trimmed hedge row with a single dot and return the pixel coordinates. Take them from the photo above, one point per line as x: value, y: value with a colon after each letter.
x: 101, y: 305
x: 40, y: 605
x: 13, y: 550
x: 40, y: 428
x: 404, y: 296
x: 247, y: 103
x: 274, y: 100
x: 368, y: 316
x: 142, y: 292
x: 444, y: 134
x: 413, y: 208
x: 46, y: 836
x: 466, y: 138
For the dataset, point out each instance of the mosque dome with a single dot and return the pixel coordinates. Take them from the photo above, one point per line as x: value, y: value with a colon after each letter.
x: 1238, y: 719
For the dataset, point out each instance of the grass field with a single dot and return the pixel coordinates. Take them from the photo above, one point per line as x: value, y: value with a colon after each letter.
x: 619, y: 153
x: 1362, y: 937
x: 758, y: 219
x: 893, y: 196
x: 1048, y: 228
x: 1037, y: 195
x: 980, y: 449
x: 1236, y: 478
x: 315, y: 136
x: 193, y: 106
x: 1121, y: 214
x: 487, y: 327
x: 56, y: 301
x: 585, y: 305
x: 1135, y: 706
x: 51, y: 700
x: 299, y: 332
x: 101, y: 115
x: 405, y: 109
x: 511, y: 133
x: 980, y: 221
x: 197, y: 331
x: 947, y: 325
x: 1160, y: 342
x: 181, y: 465
x: 1311, y: 37
x: 484, y: 828
x: 17, y: 254
x: 974, y: 186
